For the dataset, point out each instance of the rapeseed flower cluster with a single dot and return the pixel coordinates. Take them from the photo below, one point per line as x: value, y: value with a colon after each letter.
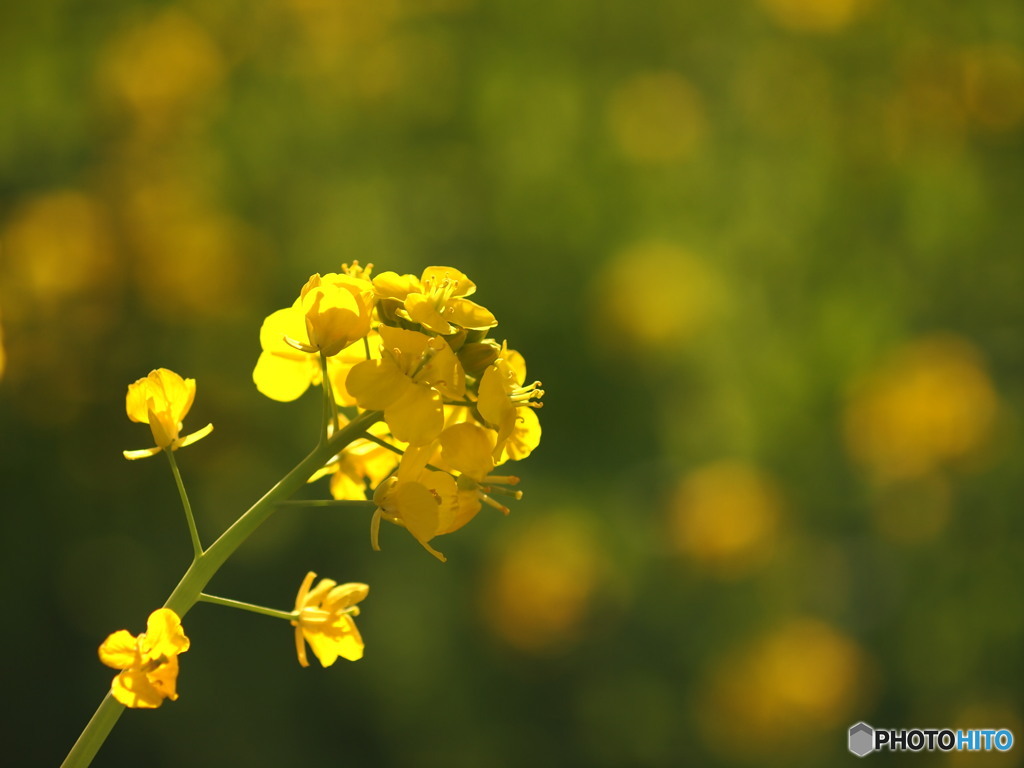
x: 455, y: 402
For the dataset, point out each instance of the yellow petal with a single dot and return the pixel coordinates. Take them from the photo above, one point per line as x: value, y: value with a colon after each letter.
x: 283, y: 378
x: 300, y: 599
x: 300, y: 645
x: 467, y: 447
x: 464, y: 286
x: 391, y: 285
x: 142, y: 453
x: 422, y: 310
x: 133, y: 689
x: 376, y: 384
x: 119, y: 650
x: 344, y: 596
x: 164, y: 635
x: 417, y: 417
x: 290, y: 323
x: 164, y: 679
x: 419, y: 510
x: 525, y: 436
x: 469, y: 314
x: 196, y: 436
x: 493, y: 403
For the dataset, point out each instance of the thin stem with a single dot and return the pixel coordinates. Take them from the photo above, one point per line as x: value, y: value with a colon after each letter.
x: 334, y: 503
x: 383, y: 443
x: 197, y: 547
x: 228, y: 603
x: 325, y: 384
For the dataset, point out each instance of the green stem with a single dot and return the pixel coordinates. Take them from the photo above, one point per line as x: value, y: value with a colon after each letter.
x: 95, y: 733
x: 203, y: 568
x: 228, y: 603
x: 197, y: 547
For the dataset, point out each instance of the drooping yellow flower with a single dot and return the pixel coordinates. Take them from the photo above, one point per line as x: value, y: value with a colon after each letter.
x: 436, y: 300
x: 331, y: 312
x: 409, y: 382
x: 469, y: 449
x: 423, y: 501
x: 325, y: 620
x: 148, y: 663
x: 162, y: 400
x: 501, y: 395
x: 336, y: 309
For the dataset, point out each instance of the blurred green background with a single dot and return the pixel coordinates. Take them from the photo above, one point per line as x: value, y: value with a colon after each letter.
x: 765, y: 255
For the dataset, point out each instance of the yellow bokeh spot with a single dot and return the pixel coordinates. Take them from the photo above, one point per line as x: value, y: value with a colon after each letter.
x: 931, y: 404
x: 656, y: 117
x: 813, y: 15
x: 803, y: 679
x: 652, y: 295
x: 191, y: 260
x: 58, y: 246
x: 725, y: 516
x: 162, y: 69
x: 540, y: 588
x: 994, y: 87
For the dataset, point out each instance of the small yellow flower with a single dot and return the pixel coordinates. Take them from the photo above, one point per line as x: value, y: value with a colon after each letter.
x: 435, y: 300
x: 148, y: 663
x: 501, y: 395
x: 325, y: 620
x: 162, y: 400
x: 421, y: 500
x: 409, y: 382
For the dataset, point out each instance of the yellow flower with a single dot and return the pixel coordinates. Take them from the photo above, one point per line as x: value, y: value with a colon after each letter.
x: 331, y: 313
x: 325, y: 620
x: 423, y: 501
x: 336, y: 309
x: 162, y: 400
x: 435, y: 300
x: 148, y: 663
x: 409, y: 382
x: 501, y: 394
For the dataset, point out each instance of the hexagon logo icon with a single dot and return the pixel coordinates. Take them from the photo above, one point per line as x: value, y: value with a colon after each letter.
x: 862, y: 739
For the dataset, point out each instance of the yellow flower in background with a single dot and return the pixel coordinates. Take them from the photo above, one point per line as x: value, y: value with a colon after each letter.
x: 325, y: 620
x: 800, y: 679
x: 724, y: 517
x: 501, y: 395
x: 409, y: 382
x: 331, y: 312
x: 162, y: 400
x: 148, y: 663
x: 421, y: 500
x: 436, y: 300
x: 931, y: 404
